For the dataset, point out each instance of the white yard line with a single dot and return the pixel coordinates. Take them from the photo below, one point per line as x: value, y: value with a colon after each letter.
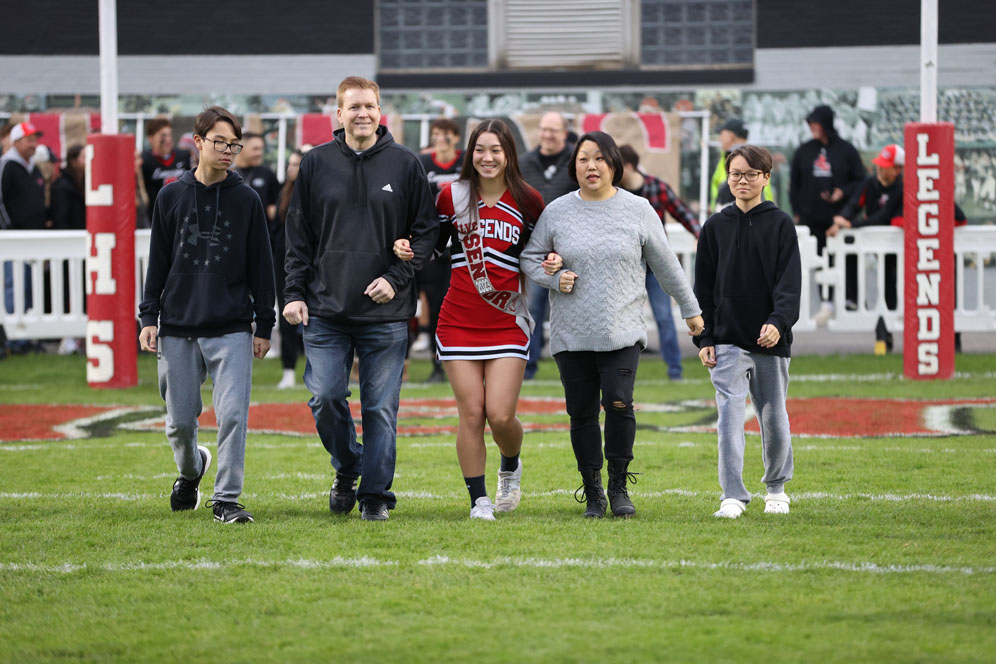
x: 816, y: 496
x: 864, y: 567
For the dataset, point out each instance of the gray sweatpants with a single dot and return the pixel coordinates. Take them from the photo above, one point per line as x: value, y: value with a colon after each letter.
x: 765, y: 377
x: 184, y: 363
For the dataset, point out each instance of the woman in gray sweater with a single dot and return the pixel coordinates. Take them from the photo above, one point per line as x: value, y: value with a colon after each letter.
x: 606, y: 237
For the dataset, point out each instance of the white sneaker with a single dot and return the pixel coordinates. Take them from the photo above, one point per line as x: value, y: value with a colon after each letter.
x: 421, y: 342
x: 483, y: 509
x: 731, y: 508
x: 287, y: 382
x: 509, y: 493
x: 824, y: 314
x: 68, y: 346
x: 776, y: 503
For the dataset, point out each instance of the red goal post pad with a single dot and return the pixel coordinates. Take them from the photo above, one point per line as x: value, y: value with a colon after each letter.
x: 110, y: 261
x: 928, y: 211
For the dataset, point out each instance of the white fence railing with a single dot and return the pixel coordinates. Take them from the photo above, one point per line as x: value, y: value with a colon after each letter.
x: 56, y: 262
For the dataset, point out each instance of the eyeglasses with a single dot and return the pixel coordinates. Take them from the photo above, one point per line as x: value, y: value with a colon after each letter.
x: 751, y: 176
x: 221, y: 146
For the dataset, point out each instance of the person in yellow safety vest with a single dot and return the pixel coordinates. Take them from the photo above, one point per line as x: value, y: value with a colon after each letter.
x: 732, y: 134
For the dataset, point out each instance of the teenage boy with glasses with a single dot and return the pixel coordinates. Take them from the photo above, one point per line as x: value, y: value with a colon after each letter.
x: 210, y: 278
x: 748, y: 280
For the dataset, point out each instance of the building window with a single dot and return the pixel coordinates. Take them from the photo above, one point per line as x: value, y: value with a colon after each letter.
x: 709, y: 33
x: 433, y: 34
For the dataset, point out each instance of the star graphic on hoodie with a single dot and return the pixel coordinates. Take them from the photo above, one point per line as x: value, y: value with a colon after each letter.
x: 227, y: 223
x: 217, y: 258
x: 186, y: 255
x: 225, y: 247
x: 207, y: 208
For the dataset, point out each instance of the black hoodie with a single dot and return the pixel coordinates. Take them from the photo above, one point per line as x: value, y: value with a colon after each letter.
x: 347, y: 210
x: 210, y: 268
x: 748, y: 273
x: 818, y: 168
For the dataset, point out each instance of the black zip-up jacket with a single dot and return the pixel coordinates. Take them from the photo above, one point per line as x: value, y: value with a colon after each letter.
x: 346, y: 213
x: 817, y: 168
x: 747, y: 274
x: 210, y: 269
x: 558, y: 184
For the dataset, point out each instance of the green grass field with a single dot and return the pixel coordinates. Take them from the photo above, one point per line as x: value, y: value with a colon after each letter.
x: 888, y: 555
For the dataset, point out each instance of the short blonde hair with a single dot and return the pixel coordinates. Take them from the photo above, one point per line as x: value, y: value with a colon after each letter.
x: 356, y: 83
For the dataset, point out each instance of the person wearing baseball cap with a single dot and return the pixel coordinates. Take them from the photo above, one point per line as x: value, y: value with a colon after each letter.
x: 22, y: 188
x: 876, y: 202
x: 22, y: 205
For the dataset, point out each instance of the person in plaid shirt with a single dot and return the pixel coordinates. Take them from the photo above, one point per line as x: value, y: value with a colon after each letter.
x: 663, y: 199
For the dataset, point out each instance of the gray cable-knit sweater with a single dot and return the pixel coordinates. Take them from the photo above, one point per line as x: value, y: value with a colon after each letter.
x: 609, y: 245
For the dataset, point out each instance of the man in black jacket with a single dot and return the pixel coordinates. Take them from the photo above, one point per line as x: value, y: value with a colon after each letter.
x: 825, y: 170
x: 22, y: 204
x: 545, y: 168
x: 354, y: 197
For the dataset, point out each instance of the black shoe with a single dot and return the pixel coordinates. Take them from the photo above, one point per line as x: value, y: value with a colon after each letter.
x: 592, y: 493
x: 229, y: 512
x: 187, y: 493
x: 618, y: 496
x: 437, y: 376
x: 372, y: 510
x: 342, y: 497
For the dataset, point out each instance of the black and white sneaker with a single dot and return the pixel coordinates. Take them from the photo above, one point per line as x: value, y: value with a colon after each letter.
x: 342, y: 496
x: 229, y: 512
x: 187, y: 493
x: 373, y: 510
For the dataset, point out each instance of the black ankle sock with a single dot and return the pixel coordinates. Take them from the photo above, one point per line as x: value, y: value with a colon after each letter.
x: 509, y: 464
x: 475, y: 485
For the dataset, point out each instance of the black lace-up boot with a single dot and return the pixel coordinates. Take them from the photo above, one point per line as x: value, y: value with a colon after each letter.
x: 592, y: 493
x: 618, y: 496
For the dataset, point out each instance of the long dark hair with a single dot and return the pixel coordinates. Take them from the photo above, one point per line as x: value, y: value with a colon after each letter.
x: 77, y: 174
x: 526, y: 198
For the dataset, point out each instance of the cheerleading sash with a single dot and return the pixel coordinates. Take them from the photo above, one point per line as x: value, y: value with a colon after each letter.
x: 472, y: 240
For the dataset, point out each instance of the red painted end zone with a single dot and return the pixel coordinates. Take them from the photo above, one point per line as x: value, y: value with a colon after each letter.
x: 39, y: 421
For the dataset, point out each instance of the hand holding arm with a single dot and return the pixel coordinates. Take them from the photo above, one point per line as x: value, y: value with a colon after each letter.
x: 553, y: 263
x: 403, y: 249
x: 695, y: 325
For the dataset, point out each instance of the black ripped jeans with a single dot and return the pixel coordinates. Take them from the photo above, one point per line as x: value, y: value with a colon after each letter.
x: 585, y: 375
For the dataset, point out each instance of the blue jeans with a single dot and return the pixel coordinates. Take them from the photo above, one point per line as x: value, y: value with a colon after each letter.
x: 8, y: 287
x: 660, y: 302
x: 539, y: 303
x: 380, y: 349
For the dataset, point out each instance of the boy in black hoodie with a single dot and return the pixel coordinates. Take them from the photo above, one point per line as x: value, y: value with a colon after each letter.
x: 210, y: 276
x: 354, y: 197
x: 748, y: 280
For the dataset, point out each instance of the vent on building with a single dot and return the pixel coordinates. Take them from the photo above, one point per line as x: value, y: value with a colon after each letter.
x: 542, y: 34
